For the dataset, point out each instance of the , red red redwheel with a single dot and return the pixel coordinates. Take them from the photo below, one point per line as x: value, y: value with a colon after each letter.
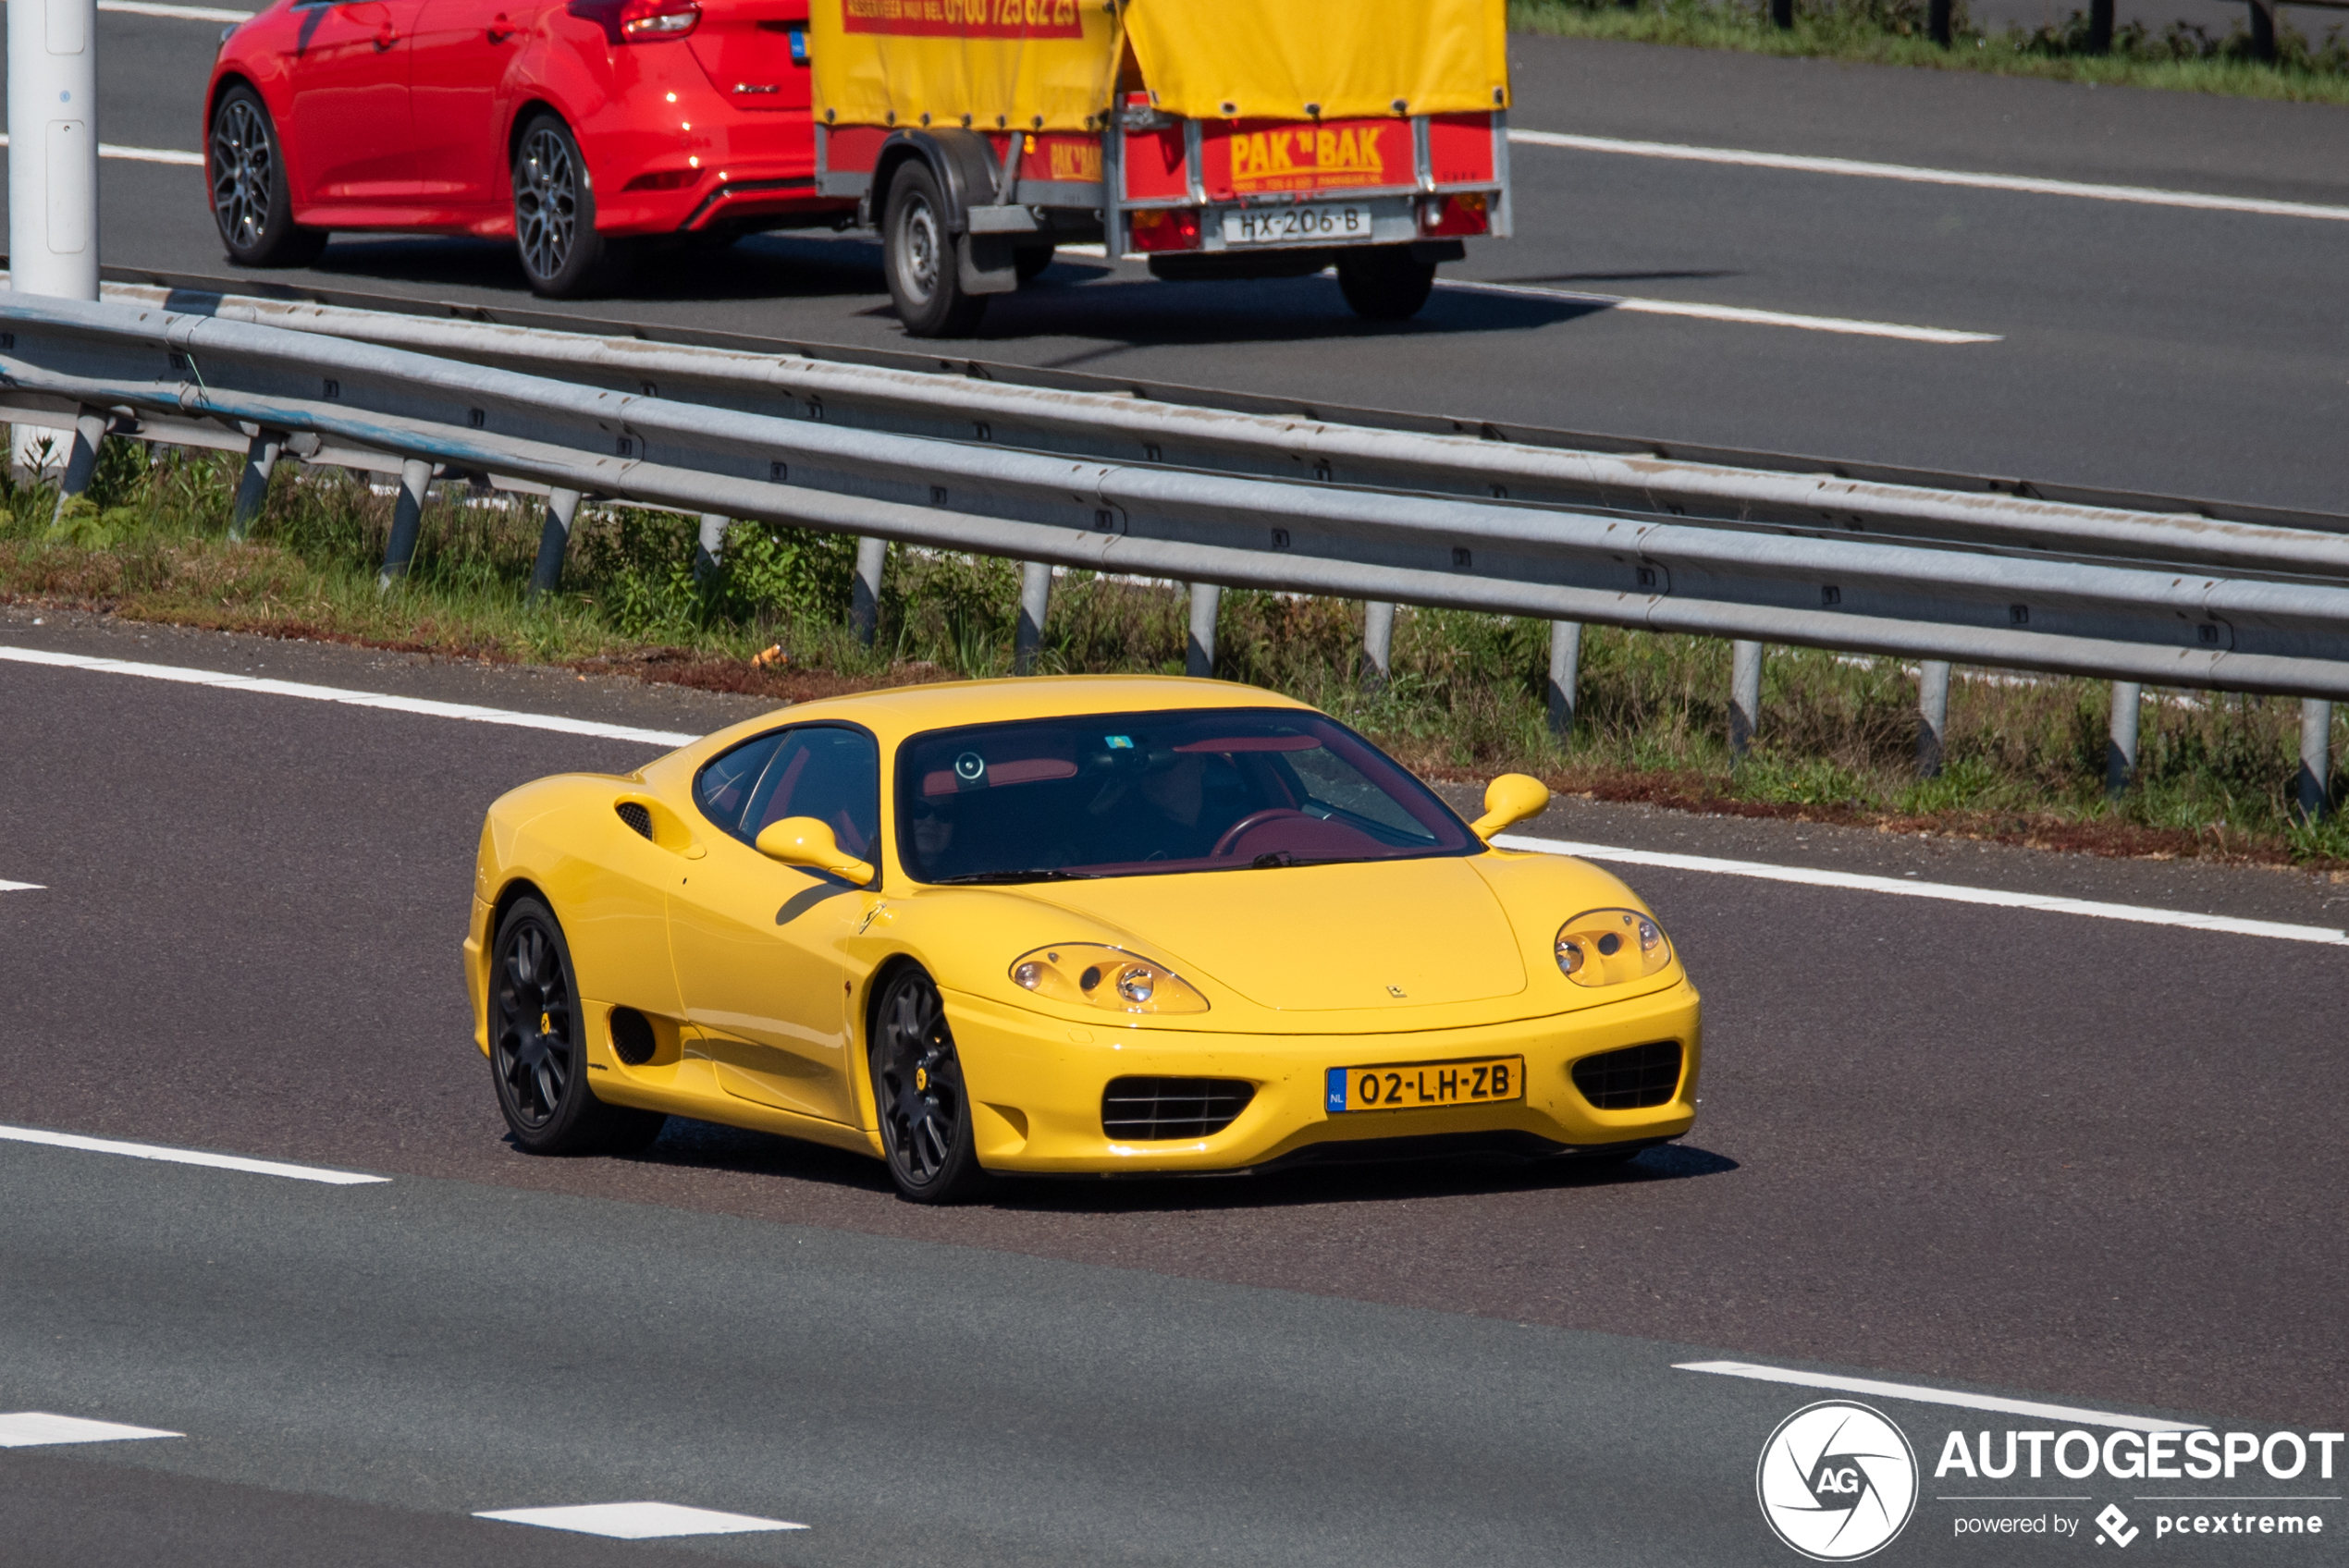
x: 918, y: 1090
x: 562, y: 254
x: 917, y: 255
x: 538, y: 1046
x: 252, y: 200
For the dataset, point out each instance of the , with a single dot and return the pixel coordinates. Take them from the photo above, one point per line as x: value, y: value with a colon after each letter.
x: 593, y: 133
x: 1221, y: 139
x: 1087, y: 925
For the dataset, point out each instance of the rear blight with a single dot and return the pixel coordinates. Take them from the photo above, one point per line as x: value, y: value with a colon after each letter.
x: 1165, y: 228
x: 1467, y: 212
x: 664, y: 180
x: 647, y: 21
x: 639, y: 21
